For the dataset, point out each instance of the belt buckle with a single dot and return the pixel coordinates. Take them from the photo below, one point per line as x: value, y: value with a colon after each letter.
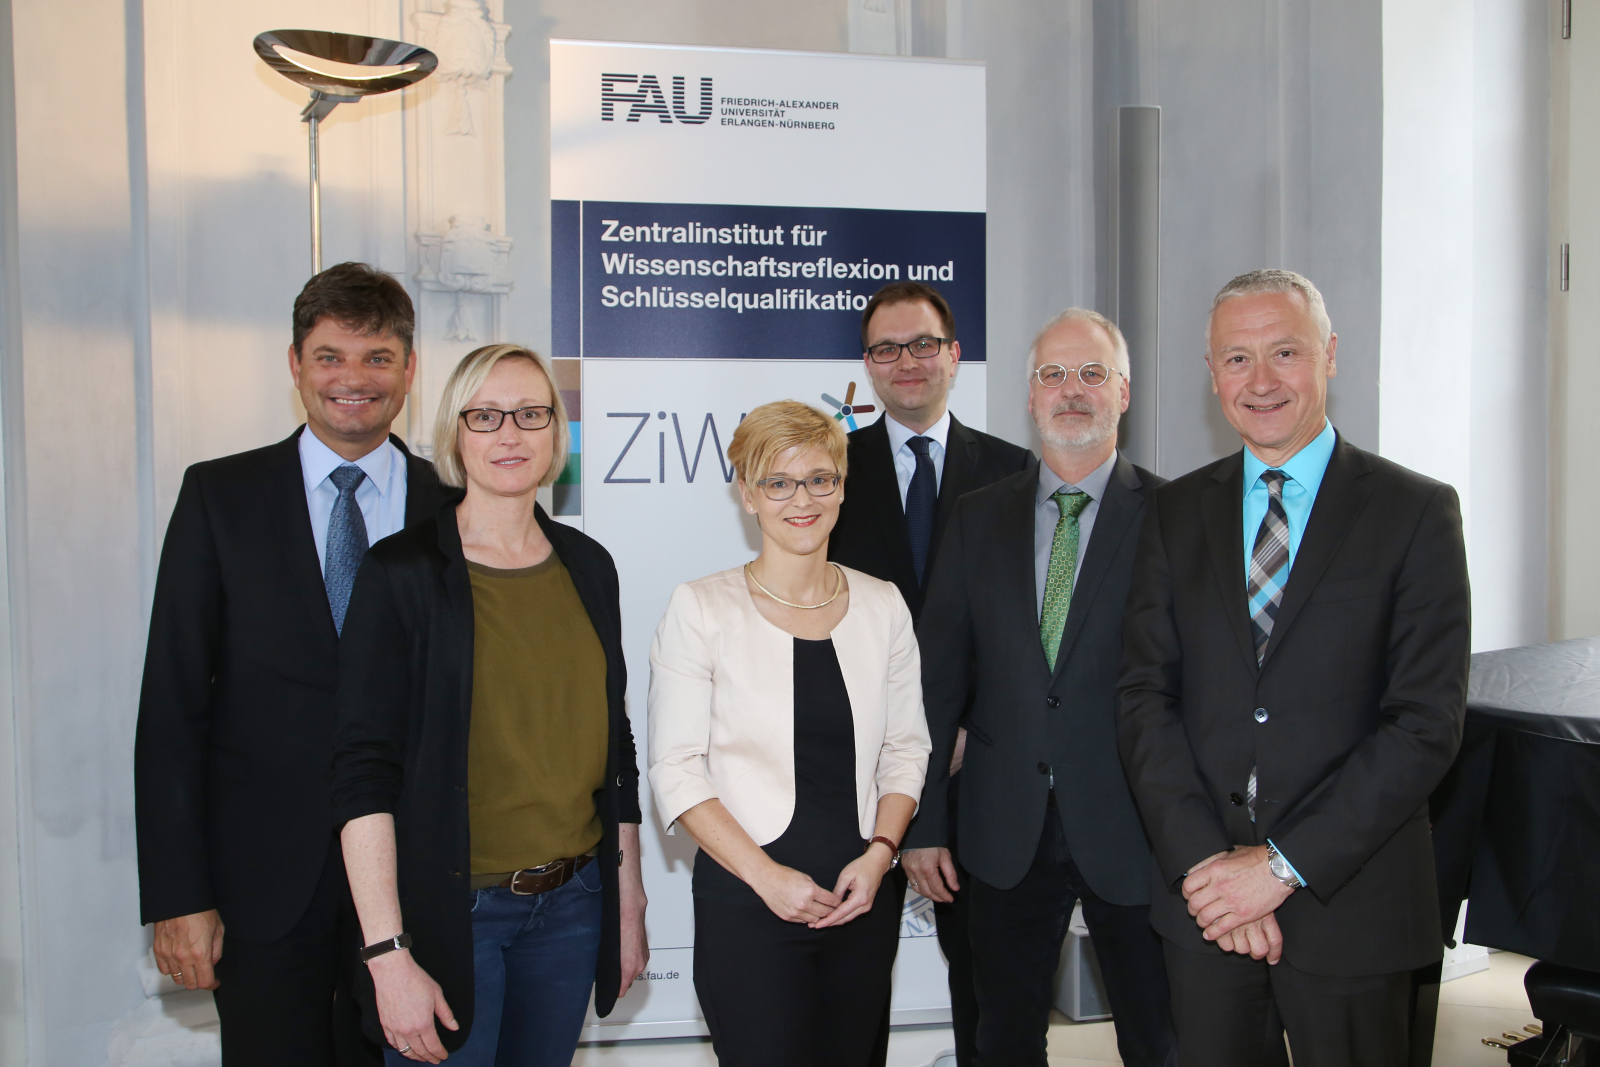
x: 543, y: 868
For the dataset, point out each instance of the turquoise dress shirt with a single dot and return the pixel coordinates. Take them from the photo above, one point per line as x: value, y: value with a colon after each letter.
x: 1304, y: 471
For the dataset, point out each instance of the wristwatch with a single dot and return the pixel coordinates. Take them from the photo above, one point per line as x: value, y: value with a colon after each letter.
x: 372, y: 952
x: 1280, y: 868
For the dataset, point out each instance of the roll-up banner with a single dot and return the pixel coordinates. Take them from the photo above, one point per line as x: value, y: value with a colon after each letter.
x: 719, y: 219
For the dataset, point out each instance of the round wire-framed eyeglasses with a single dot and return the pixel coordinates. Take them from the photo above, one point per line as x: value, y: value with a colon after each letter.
x: 1054, y: 375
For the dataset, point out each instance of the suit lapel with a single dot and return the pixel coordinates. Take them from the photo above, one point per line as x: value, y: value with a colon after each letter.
x: 422, y: 484
x: 1016, y: 585
x: 1221, y: 505
x: 960, y: 476
x: 877, y: 479
x: 1340, y: 500
x: 298, y: 544
x: 1111, y: 524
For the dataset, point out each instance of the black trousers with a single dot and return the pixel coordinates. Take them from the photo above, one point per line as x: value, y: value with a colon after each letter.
x: 1232, y: 1011
x: 290, y: 1001
x: 950, y: 922
x: 780, y: 994
x: 1016, y: 936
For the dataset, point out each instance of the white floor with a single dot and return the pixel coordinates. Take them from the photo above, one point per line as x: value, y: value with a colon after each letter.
x: 1470, y: 1009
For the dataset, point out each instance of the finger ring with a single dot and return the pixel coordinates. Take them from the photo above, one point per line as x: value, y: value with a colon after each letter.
x: 177, y: 976
x: 913, y: 885
x: 403, y: 1051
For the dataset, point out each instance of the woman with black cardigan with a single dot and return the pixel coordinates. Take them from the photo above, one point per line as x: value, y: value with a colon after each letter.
x: 485, y: 774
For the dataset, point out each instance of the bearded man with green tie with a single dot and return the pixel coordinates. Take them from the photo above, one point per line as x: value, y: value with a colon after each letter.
x: 1021, y: 634
x: 1293, y: 689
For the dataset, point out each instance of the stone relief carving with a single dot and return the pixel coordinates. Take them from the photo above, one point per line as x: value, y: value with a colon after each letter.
x: 455, y: 175
x: 471, y: 50
x: 466, y: 258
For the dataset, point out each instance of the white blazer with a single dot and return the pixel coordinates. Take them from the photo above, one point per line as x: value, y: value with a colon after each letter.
x: 722, y: 703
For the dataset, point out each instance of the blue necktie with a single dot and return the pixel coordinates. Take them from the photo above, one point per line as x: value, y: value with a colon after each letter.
x: 921, y: 496
x: 347, y: 542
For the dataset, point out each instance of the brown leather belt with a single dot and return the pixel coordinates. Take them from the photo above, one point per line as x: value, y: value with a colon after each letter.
x: 542, y: 879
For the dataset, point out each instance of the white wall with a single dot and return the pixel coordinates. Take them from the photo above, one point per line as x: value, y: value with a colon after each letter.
x: 152, y: 237
x: 1465, y: 368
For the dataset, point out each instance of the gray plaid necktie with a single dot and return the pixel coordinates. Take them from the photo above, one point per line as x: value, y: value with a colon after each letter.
x: 347, y: 541
x: 1269, y: 570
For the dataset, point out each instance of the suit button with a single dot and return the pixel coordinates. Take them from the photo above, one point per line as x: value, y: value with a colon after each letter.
x: 1044, y: 768
x: 1235, y: 799
x: 619, y: 781
x: 1052, y: 702
x: 1261, y: 715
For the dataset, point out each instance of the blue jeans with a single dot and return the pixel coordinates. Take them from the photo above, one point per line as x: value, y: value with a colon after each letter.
x: 533, y: 960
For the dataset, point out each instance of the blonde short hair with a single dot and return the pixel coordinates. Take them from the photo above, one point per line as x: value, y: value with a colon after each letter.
x: 466, y: 380
x: 772, y: 429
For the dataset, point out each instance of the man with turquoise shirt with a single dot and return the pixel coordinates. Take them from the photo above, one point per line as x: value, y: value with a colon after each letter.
x: 1293, y: 688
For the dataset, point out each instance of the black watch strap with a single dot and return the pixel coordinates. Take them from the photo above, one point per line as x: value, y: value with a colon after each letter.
x: 372, y: 952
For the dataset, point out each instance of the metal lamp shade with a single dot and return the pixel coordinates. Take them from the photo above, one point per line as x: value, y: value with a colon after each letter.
x: 344, y: 64
x: 338, y: 68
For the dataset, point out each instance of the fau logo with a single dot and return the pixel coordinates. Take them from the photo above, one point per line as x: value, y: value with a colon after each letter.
x: 644, y: 96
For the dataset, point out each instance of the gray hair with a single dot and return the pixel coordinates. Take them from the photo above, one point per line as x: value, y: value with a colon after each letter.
x: 464, y: 382
x: 1275, y: 281
x: 1119, y: 344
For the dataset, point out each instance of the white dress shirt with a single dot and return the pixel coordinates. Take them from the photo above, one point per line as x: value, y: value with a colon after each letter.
x: 381, y: 496
x: 1047, y: 513
x: 905, y: 460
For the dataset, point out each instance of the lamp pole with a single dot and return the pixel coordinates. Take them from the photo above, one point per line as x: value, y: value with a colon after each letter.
x: 338, y: 68
x: 312, y: 122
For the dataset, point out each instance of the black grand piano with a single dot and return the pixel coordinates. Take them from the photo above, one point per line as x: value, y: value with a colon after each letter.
x: 1516, y: 824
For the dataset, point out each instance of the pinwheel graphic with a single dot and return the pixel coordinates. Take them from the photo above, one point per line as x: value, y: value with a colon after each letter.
x: 848, y: 411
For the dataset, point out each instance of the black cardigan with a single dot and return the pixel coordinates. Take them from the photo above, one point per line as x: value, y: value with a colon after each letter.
x: 405, y: 704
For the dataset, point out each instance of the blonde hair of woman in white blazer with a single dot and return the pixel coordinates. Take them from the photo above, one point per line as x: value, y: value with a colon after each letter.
x: 787, y: 737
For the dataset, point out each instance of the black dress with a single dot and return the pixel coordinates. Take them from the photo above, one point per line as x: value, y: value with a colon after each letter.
x: 776, y: 992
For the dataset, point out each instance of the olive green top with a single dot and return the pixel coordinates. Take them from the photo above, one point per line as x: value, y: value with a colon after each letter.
x: 537, y: 748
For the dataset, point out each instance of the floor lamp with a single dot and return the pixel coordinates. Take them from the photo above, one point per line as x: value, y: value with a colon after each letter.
x: 339, y: 68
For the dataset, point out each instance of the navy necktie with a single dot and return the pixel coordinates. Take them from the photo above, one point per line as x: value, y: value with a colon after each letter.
x: 921, y: 496
x: 347, y: 542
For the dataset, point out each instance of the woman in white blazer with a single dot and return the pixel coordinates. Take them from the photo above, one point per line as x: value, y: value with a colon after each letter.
x: 787, y: 737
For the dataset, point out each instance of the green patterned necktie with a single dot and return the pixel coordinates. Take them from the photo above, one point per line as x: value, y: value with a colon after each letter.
x: 1063, y: 562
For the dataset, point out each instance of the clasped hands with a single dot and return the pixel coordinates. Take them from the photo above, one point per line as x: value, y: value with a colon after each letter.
x: 1233, y: 896
x: 794, y: 897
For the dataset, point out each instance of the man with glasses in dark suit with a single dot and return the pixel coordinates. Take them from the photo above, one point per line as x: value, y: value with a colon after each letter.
x: 1021, y: 640
x: 907, y: 471
x: 240, y: 869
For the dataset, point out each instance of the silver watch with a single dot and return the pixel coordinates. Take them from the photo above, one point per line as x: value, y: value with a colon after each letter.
x: 1280, y: 868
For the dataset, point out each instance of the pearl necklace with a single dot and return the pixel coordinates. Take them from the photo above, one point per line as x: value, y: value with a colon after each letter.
x: 838, y: 587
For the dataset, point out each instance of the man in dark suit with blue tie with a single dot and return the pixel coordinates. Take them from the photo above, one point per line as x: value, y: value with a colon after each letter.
x: 1293, y: 689
x: 240, y: 869
x: 1021, y: 639
x: 907, y: 470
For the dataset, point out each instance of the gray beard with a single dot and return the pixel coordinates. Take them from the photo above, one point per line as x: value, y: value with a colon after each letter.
x: 1103, y: 429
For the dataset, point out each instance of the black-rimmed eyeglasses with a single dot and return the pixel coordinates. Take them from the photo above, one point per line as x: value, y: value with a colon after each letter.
x: 922, y: 348
x: 488, y: 420
x: 782, y: 488
x: 1054, y: 375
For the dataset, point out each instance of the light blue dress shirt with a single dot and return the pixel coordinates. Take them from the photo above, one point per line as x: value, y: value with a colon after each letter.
x: 381, y: 496
x: 905, y: 460
x: 1304, y: 470
x: 1047, y: 514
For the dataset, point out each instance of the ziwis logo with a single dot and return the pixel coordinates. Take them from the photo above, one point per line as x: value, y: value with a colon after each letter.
x: 644, y: 95
x: 690, y: 467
